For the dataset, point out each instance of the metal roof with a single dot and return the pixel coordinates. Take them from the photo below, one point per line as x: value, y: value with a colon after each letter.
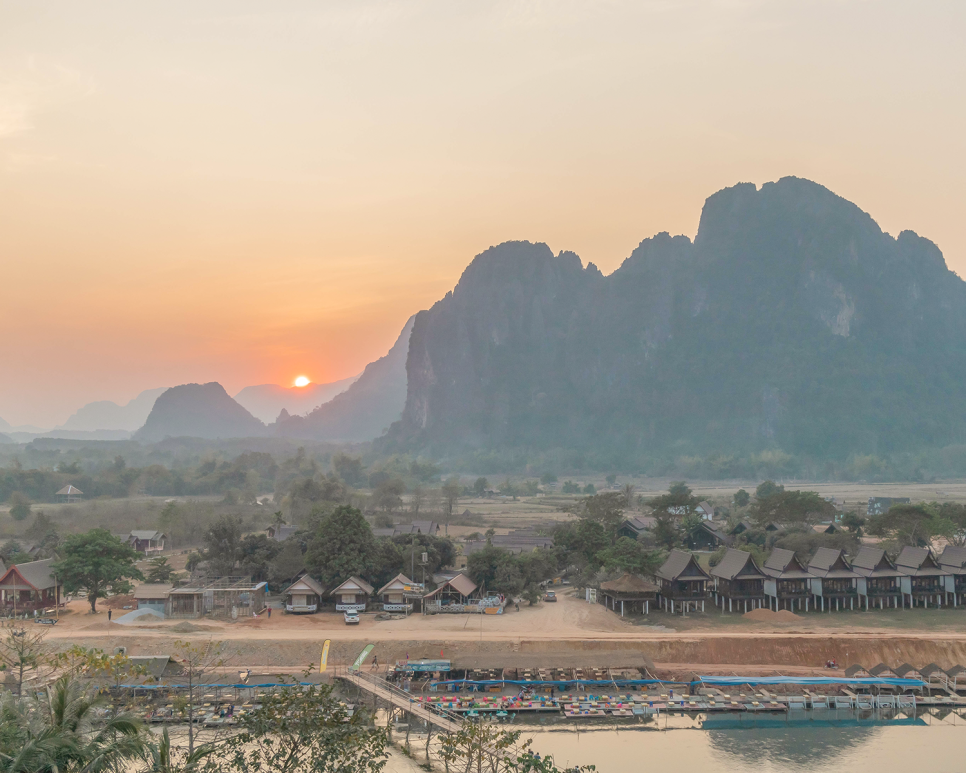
x: 830, y: 563
x: 311, y: 583
x: 953, y: 558
x: 359, y: 583
x: 679, y: 561
x: 37, y: 574
x: 737, y: 562
x: 153, y: 590
x: 918, y: 562
x: 873, y: 562
x: 147, y: 534
x: 784, y: 565
x: 400, y: 578
x: 69, y: 490
x: 461, y: 583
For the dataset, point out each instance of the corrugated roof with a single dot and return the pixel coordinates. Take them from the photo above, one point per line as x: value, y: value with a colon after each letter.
x: 360, y: 583
x: 146, y: 534
x: 873, y: 562
x: 153, y: 590
x: 629, y: 583
x: 69, y: 490
x: 737, y: 562
x: 953, y: 557
x: 401, y: 578
x: 853, y: 671
x: 310, y: 582
x: 461, y: 583
x: 918, y: 562
x: 36, y: 573
x: 830, y: 563
x: 784, y: 564
x: 679, y: 561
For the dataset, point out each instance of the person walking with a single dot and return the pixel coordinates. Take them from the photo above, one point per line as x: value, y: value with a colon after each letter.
x: 269, y: 613
x: 109, y: 613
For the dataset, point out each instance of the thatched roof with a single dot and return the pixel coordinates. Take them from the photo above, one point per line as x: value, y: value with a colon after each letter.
x: 629, y: 584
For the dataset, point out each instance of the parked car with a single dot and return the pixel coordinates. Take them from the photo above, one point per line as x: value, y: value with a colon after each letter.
x: 352, y: 617
x: 551, y: 596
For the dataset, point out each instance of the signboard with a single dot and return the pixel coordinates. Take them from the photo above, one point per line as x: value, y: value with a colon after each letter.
x: 424, y: 665
x: 324, y: 662
x: 362, y: 658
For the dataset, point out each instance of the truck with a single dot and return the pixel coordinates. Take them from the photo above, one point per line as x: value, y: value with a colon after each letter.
x: 351, y: 617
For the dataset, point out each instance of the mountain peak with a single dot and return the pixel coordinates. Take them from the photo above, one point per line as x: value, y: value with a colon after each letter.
x: 198, y: 410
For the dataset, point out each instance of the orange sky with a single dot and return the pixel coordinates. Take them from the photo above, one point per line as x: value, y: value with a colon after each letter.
x: 242, y: 192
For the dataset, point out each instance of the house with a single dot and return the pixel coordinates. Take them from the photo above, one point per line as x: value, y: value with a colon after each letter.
x: 30, y: 587
x: 352, y: 595
x: 738, y: 579
x: 456, y: 591
x: 709, y: 537
x: 880, y: 505
x: 786, y: 580
x: 921, y: 578
x: 430, y: 528
x: 519, y: 541
x: 705, y: 510
x: 630, y: 593
x: 833, y: 581
x: 399, y: 594
x: 70, y: 494
x: 826, y: 528
x: 281, y: 532
x: 304, y: 596
x: 636, y: 526
x: 153, y: 596
x: 878, y: 578
x: 740, y: 528
x: 953, y: 563
x: 148, y: 542
x: 683, y: 582
x: 221, y: 597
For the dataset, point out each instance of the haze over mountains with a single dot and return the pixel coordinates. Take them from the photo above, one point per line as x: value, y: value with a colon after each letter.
x: 266, y: 401
x: 792, y: 321
x: 105, y: 414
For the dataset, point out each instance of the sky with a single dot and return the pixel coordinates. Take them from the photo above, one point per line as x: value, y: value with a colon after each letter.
x: 246, y: 192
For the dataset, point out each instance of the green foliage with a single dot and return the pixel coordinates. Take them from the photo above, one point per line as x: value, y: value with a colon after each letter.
x: 611, y: 479
x: 501, y: 571
x: 480, y: 486
x: 342, y: 546
x: 349, y: 469
x: 791, y: 508
x: 388, y: 494
x: 483, y: 746
x: 19, y: 506
x: 159, y: 570
x: 606, y: 509
x: 907, y: 524
x: 96, y: 562
x: 804, y: 541
x: 222, y: 542
x: 629, y: 555
x: 853, y: 522
x: 767, y: 489
x: 741, y: 498
x: 569, y: 487
x: 589, y: 489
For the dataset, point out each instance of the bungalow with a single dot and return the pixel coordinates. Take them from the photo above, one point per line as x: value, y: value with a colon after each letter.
x: 921, y: 577
x: 629, y: 592
x: 740, y: 528
x: 29, y: 587
x: 705, y: 510
x: 738, y: 579
x: 953, y: 562
x: 826, y: 528
x: 636, y: 526
x: 70, y: 494
x: 707, y: 537
x: 878, y: 578
x: 153, y: 596
x: 281, y: 532
x: 303, y: 596
x: 398, y: 594
x: 786, y: 580
x: 352, y: 595
x: 683, y: 582
x: 148, y: 542
x: 833, y: 579
x: 905, y: 671
x: 456, y: 591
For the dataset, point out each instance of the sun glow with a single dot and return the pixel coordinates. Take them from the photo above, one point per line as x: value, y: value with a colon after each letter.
x: 302, y: 381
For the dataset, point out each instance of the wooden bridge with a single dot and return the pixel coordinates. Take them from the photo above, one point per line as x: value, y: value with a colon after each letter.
x: 446, y: 721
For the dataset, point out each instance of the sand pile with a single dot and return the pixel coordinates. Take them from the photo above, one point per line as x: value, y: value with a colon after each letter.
x: 767, y: 616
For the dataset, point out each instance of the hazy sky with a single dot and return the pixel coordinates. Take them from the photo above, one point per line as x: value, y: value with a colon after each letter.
x: 243, y: 192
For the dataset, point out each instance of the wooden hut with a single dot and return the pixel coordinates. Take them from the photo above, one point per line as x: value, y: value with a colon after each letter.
x: 953, y: 563
x: 399, y: 593
x: 709, y: 537
x: 352, y: 595
x: 304, y: 596
x: 153, y: 596
x: 834, y: 581
x: 628, y: 594
x: 738, y: 581
x: 786, y: 580
x: 921, y: 578
x: 684, y: 584
x: 906, y: 671
x: 878, y: 578
x: 30, y: 587
x: 883, y: 671
x: 934, y: 676
x: 457, y: 591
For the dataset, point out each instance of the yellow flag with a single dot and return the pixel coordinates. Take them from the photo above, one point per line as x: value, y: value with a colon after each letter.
x: 325, y: 656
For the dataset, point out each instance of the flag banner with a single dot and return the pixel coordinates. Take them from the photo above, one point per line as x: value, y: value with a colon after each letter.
x: 324, y: 662
x: 362, y: 657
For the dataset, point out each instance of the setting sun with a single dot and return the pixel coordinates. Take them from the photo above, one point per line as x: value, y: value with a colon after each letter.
x: 302, y: 381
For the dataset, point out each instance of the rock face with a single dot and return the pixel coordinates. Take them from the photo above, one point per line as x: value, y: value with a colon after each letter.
x: 265, y: 401
x: 363, y: 411
x: 198, y: 410
x: 791, y: 321
x: 105, y: 414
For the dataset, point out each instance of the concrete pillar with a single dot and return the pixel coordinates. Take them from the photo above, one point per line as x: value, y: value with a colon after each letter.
x: 729, y: 606
x: 746, y: 606
x: 647, y: 606
x: 702, y: 605
x: 622, y: 607
x: 852, y: 603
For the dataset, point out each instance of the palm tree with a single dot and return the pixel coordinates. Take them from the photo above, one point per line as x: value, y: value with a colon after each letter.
x: 162, y: 759
x: 64, y: 730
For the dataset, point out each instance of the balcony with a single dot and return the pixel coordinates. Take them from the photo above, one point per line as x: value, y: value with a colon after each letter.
x: 397, y: 607
x: 301, y: 608
x: 350, y: 607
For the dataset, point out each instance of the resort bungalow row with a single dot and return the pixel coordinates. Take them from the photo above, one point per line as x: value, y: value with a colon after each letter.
x: 786, y: 581
x: 738, y: 582
x: 834, y: 581
x: 683, y: 583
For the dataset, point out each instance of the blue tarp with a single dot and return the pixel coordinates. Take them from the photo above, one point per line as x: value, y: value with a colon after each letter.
x: 807, y: 680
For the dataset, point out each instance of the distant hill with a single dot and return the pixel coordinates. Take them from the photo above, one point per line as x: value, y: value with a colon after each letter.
x: 266, y: 401
x: 4, y: 425
x: 198, y: 410
x: 105, y: 414
x: 6, y: 439
x: 791, y: 322
x: 366, y: 409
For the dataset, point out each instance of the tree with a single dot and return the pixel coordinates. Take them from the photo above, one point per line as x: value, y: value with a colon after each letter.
x: 388, y: 494
x: 287, y: 563
x: 199, y: 662
x: 952, y: 516
x: 607, y: 509
x: 906, y: 525
x: 853, y: 522
x: 547, y: 478
x: 679, y: 488
x: 678, y: 502
x: 480, y: 486
x: 767, y: 489
x: 479, y: 747
x: 19, y: 506
x: 665, y: 531
x: 350, y: 469
x: 306, y: 730
x: 690, y: 527
x: 23, y: 654
x: 343, y: 546
x: 416, y: 499
x: 611, y: 479
x: 223, y: 544
x: 96, y: 562
x: 627, y: 492
x: 791, y: 508
x: 159, y: 570
x: 741, y: 498
x: 629, y: 555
